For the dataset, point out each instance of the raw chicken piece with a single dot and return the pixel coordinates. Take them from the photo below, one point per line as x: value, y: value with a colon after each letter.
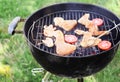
x: 63, y: 48
x: 97, y: 33
x: 79, y: 32
x: 84, y: 20
x: 48, y: 42
x: 85, y: 39
x: 88, y: 40
x: 67, y: 25
x: 93, y: 28
x: 49, y: 30
x: 91, y: 25
x: 97, y: 40
x: 58, y: 21
x: 93, y: 41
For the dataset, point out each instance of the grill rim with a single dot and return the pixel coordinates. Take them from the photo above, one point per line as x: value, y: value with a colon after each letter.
x: 117, y: 44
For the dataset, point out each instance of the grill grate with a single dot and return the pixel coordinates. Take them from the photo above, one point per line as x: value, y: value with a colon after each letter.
x: 35, y: 34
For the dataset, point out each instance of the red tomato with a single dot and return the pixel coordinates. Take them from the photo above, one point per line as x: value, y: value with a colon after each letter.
x: 104, y: 45
x: 71, y: 39
x: 97, y: 21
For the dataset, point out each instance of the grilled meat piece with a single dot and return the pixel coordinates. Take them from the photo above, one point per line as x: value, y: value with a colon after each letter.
x: 67, y: 25
x: 48, y: 42
x: 93, y: 28
x: 49, y: 30
x: 79, y: 32
x: 58, y: 21
x: 93, y: 41
x: 84, y: 20
x: 63, y: 48
x: 88, y: 40
x: 85, y: 39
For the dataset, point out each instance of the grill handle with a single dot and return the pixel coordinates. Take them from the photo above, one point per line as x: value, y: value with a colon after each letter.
x: 13, y: 24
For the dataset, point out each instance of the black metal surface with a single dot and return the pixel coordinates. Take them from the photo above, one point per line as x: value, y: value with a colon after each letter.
x: 80, y: 80
x: 72, y: 66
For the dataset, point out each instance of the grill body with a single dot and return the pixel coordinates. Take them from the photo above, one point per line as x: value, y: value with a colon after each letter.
x: 71, y: 66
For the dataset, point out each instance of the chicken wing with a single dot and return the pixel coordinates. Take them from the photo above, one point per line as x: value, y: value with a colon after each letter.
x: 84, y: 20
x: 79, y: 32
x: 63, y: 48
x: 67, y: 25
x: 85, y: 39
x: 49, y: 30
x: 88, y: 40
x: 48, y: 42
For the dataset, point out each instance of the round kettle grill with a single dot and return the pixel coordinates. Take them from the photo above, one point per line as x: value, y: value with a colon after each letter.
x: 84, y: 61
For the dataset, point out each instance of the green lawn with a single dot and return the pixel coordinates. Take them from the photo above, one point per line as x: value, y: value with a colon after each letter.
x: 16, y: 61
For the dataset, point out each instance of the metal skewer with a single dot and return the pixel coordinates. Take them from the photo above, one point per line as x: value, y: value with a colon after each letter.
x: 109, y: 30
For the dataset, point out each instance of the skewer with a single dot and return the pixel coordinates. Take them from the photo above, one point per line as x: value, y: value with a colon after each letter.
x: 80, y: 80
x: 106, y: 32
x: 109, y: 30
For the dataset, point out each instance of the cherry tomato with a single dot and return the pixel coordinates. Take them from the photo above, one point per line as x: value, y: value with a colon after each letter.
x: 104, y: 45
x: 71, y: 39
x: 97, y: 21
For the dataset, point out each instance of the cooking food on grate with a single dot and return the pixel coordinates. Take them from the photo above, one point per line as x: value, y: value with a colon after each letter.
x: 79, y: 32
x: 72, y: 39
x: 84, y: 20
x: 58, y: 21
x: 88, y: 40
x: 63, y: 48
x: 48, y: 42
x: 49, y: 30
x: 65, y: 43
x: 82, y: 62
x: 104, y: 45
x: 67, y: 25
x: 94, y: 30
x: 91, y: 25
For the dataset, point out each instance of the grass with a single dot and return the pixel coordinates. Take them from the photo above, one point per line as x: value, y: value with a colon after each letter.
x: 15, y: 53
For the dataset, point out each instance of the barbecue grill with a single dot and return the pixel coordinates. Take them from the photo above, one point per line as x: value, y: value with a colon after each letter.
x: 84, y: 61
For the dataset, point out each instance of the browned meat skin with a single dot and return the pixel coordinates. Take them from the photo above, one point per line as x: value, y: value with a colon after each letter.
x: 85, y: 39
x: 93, y: 41
x: 49, y: 30
x: 84, y: 20
x: 88, y: 40
x: 58, y: 21
x: 63, y: 48
x: 67, y: 25
x: 79, y: 32
x: 48, y: 42
x: 94, y: 30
